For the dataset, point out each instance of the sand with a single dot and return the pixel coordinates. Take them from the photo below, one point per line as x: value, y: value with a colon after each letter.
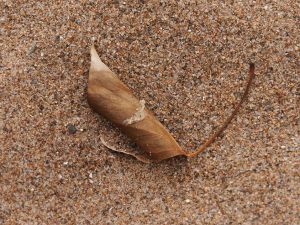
x: 189, y: 61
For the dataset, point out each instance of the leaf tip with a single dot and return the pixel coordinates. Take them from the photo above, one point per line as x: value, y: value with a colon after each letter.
x: 96, y: 63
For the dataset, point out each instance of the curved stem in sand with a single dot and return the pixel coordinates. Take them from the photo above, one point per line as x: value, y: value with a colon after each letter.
x: 213, y: 137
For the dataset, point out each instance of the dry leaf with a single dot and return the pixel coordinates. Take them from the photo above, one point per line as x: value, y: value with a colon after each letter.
x: 111, y: 98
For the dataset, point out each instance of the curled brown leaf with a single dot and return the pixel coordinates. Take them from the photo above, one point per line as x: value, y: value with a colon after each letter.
x: 111, y: 98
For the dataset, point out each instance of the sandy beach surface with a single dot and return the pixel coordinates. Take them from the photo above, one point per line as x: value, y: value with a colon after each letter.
x: 189, y: 61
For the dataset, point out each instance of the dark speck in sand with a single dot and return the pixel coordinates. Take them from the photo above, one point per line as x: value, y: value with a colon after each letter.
x: 71, y: 128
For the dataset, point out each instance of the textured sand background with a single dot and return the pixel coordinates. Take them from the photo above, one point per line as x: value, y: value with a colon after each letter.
x: 189, y: 61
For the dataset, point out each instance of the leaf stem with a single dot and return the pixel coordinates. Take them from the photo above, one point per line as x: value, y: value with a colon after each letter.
x: 213, y: 137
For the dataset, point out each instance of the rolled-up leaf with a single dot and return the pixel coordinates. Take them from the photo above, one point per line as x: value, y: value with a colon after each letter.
x: 111, y: 98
